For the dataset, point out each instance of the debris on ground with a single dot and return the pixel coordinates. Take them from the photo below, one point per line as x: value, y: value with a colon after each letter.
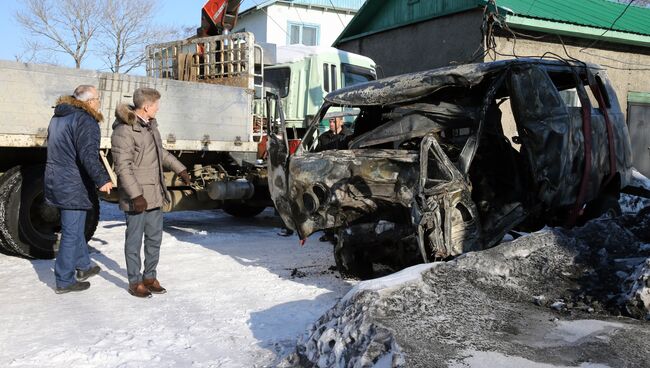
x: 556, y: 297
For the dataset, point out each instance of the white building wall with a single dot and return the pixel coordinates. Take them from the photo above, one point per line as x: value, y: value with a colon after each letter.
x: 254, y: 22
x: 277, y: 18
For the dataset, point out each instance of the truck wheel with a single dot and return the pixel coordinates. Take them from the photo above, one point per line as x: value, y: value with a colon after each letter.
x: 4, y: 247
x: 28, y: 226
x: 242, y: 210
x: 350, y: 262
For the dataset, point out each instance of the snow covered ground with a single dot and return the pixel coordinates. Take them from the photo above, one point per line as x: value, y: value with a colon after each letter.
x: 232, y: 300
x: 554, y: 298
x: 241, y: 296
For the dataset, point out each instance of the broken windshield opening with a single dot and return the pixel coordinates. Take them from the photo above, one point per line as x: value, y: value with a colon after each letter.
x: 278, y: 79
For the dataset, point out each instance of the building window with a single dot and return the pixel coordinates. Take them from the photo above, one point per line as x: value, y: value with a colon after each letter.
x: 306, y: 34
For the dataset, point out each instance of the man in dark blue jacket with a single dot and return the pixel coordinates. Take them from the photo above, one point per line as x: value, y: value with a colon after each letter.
x: 72, y: 174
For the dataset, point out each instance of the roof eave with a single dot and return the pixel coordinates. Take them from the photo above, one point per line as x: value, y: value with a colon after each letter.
x: 575, y: 30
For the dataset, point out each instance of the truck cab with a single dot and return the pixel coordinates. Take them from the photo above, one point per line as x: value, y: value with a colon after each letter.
x: 303, y: 75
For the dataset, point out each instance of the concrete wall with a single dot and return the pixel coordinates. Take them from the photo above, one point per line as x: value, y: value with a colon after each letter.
x: 617, y: 59
x: 421, y: 46
x: 275, y: 20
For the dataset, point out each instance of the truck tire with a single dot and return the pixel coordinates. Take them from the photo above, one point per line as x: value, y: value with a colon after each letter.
x: 4, y: 247
x: 350, y: 262
x: 242, y: 210
x: 28, y: 226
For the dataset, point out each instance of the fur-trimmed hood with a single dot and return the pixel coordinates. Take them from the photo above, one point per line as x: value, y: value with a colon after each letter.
x: 63, y: 107
x: 125, y: 114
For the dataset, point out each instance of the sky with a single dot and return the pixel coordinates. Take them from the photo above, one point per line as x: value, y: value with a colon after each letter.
x: 181, y: 13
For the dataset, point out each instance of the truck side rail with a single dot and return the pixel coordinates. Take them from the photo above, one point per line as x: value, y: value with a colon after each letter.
x: 224, y: 59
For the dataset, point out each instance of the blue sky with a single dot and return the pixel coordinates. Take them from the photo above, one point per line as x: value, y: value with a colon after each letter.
x: 181, y: 13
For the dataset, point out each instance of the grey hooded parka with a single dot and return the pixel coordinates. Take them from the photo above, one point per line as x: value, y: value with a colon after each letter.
x: 139, y: 160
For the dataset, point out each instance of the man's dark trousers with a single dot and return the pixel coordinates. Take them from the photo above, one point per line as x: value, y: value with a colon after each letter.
x: 73, y: 248
x: 148, y: 224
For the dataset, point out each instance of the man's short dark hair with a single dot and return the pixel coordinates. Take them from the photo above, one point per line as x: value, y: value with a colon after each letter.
x: 143, y: 96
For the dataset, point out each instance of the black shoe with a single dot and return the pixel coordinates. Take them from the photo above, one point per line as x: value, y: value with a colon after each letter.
x: 285, y: 232
x: 77, y: 286
x: 85, y: 275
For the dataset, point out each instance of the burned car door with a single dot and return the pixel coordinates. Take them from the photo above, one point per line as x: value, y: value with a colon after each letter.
x: 443, y: 212
x: 278, y: 157
x: 547, y: 133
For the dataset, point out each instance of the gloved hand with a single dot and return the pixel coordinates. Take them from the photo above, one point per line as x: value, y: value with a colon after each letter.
x: 139, y: 204
x: 185, y: 177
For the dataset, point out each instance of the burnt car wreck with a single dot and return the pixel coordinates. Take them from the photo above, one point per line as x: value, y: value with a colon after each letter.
x: 429, y: 172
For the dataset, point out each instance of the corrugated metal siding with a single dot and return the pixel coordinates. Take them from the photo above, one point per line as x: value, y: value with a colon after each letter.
x: 378, y: 15
x: 594, y: 13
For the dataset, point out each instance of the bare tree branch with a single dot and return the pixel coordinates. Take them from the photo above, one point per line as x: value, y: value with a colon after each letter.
x: 66, y: 26
x: 128, y: 27
x: 29, y: 54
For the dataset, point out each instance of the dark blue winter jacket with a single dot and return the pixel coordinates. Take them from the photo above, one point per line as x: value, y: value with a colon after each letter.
x: 73, y: 170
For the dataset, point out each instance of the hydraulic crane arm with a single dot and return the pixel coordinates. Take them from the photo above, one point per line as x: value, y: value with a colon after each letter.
x: 218, y: 17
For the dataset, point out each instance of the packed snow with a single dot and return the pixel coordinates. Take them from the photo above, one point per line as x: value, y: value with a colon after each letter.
x: 232, y: 300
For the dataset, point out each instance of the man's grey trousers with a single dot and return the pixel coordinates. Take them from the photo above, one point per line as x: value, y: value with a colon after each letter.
x: 148, y: 224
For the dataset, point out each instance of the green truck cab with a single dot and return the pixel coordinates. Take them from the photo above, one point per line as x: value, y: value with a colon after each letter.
x: 303, y: 75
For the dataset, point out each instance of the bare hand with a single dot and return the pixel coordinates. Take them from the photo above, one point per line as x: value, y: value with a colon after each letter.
x: 106, y: 188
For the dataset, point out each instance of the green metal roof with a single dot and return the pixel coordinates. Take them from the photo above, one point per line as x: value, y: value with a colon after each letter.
x: 592, y: 13
x: 579, y: 18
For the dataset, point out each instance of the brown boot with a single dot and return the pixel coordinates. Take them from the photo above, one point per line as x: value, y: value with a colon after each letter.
x: 139, y: 290
x: 154, y: 286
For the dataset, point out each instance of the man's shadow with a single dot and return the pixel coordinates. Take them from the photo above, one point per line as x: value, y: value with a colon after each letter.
x: 45, y: 268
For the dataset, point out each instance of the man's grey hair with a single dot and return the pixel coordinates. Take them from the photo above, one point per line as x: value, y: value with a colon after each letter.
x: 84, y: 92
x: 144, y: 95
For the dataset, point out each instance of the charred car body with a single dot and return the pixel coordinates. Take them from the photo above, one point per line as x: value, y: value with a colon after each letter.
x: 429, y: 173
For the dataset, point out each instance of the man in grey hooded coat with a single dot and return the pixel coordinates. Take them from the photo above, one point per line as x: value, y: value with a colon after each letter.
x: 139, y: 161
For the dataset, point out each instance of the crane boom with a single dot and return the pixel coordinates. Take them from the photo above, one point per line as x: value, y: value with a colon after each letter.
x: 218, y: 17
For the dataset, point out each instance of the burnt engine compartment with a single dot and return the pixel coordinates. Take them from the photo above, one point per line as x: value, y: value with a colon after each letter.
x: 495, y: 180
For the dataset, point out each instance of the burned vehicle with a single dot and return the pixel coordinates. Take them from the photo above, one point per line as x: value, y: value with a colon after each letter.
x: 430, y: 173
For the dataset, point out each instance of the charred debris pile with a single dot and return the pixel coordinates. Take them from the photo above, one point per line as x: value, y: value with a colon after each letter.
x: 555, y: 296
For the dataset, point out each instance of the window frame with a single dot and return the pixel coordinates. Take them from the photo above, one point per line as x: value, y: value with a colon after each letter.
x: 301, y: 27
